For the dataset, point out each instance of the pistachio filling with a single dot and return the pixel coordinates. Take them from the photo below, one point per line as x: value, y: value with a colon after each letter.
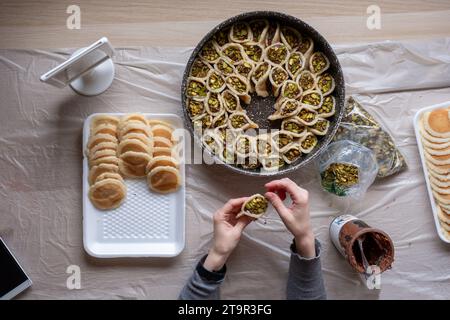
x: 257, y: 28
x: 212, y: 144
x: 291, y: 90
x: 283, y: 140
x: 288, y: 108
x: 338, y: 177
x: 321, y: 125
x: 215, y: 81
x: 293, y: 127
x: 312, y: 99
x: 213, y: 103
x: 261, y: 70
x: 195, y: 108
x: 309, y: 142
x: 257, y: 205
x: 204, y: 122
x: 244, y: 69
x: 279, y: 75
x: 224, y: 67
x: 319, y: 62
x: 254, y: 52
x: 304, y: 45
x: 240, y: 31
x: 291, y: 37
x: 237, y: 84
x: 325, y: 83
x: 277, y: 54
x: 199, y: 69
x: 238, y: 121
x: 220, y: 121
x: 233, y: 53
x: 230, y: 101
x: 306, y: 81
x: 264, y: 147
x: 209, y: 52
x: 243, y: 145
x: 221, y: 37
x: 292, y: 154
x: 307, y: 115
x: 196, y: 89
x: 327, y: 105
x: 275, y: 163
x: 295, y: 63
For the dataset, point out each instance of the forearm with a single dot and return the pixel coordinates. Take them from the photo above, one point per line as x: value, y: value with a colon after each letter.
x: 305, y: 281
x: 203, y: 284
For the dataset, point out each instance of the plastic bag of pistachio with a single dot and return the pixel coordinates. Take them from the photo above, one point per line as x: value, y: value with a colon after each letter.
x: 347, y: 169
x: 359, y: 125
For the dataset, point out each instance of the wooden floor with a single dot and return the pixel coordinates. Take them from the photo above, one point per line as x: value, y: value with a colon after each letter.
x: 42, y: 23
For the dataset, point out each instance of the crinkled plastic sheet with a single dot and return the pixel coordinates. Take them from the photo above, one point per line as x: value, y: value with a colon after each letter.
x: 40, y: 181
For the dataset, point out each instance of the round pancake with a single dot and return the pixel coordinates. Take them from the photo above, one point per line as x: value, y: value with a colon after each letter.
x: 154, y: 122
x: 162, y: 142
x: 107, y: 194
x: 434, y: 145
x: 164, y: 179
x: 428, y: 136
x: 132, y: 117
x: 99, y: 138
x: 133, y: 145
x: 162, y: 131
x: 104, y: 119
x: 439, y: 169
x: 134, y: 127
x: 97, y: 170
x: 442, y: 198
x: 102, y: 153
x: 437, y: 122
x: 109, y: 175
x: 162, y: 151
x: 106, y: 128
x: 441, y: 190
x: 135, y: 158
x: 439, y: 183
x: 437, y: 152
x: 437, y: 160
x: 445, y: 226
x: 162, y: 161
x: 440, y: 176
x: 445, y: 217
x: 108, y: 160
x: 139, y: 136
x: 131, y: 171
x: 101, y: 146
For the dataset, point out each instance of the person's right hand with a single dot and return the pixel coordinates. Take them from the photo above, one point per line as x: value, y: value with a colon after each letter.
x: 295, y: 217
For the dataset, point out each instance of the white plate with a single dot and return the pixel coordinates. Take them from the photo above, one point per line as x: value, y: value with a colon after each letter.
x: 424, y: 165
x: 147, y: 224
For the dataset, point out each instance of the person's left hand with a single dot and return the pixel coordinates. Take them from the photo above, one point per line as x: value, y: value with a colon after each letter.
x: 227, y: 233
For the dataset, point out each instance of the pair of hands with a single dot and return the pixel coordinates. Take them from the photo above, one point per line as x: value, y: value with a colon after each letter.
x: 228, y: 229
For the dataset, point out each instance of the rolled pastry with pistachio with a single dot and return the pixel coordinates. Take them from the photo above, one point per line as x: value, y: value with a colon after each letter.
x: 273, y: 163
x: 273, y: 33
x: 239, y: 86
x: 308, y: 142
x: 249, y: 163
x: 306, y: 47
x: 234, y: 52
x: 328, y: 107
x: 259, y: 29
x: 264, y: 145
x: 212, y: 142
x: 321, y: 127
x: 213, y: 104
x: 221, y: 37
x: 277, y: 76
x: 254, y: 207
x: 259, y: 78
x: 306, y: 80
x: 290, y: 37
x: 200, y: 68
x: 290, y: 90
x: 282, y: 140
x: 253, y: 51
x: 312, y: 99
x: 294, y: 126
x: 224, y: 66
x: 289, y: 108
x: 221, y: 120
x: 202, y: 122
x: 215, y: 82
x: 245, y: 69
x: 196, y: 88
x: 230, y: 101
x: 276, y: 54
x: 210, y: 51
x: 295, y: 64
x: 195, y: 108
x: 307, y: 116
x: 245, y: 146
x: 292, y: 153
x: 326, y: 83
x: 239, y: 121
x: 240, y: 32
x: 318, y: 63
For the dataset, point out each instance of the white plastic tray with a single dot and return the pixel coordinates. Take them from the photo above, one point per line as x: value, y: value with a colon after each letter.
x: 147, y: 224
x: 417, y: 118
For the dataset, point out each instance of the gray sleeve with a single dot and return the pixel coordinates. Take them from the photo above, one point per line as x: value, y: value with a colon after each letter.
x: 203, y: 284
x: 305, y: 281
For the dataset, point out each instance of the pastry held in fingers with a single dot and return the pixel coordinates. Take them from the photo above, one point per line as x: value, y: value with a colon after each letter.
x: 255, y: 207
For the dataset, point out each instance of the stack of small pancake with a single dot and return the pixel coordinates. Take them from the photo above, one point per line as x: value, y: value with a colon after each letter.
x: 107, y: 188
x: 435, y: 132
x: 131, y: 147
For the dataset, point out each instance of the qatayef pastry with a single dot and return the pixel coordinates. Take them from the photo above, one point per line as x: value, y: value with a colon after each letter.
x: 221, y: 37
x: 195, y: 108
x: 154, y: 122
x: 196, y: 88
x: 428, y: 136
x: 291, y: 90
x: 107, y: 160
x: 240, y: 32
x: 213, y: 104
x: 273, y: 33
x: 240, y: 86
x: 202, y: 122
x: 215, y: 82
x: 160, y: 162
x: 212, y: 142
x: 104, y: 119
x: 295, y: 63
x: 253, y: 51
x: 307, y: 116
x: 221, y: 120
x: 245, y: 69
x: 200, y: 68
x: 308, y: 142
x: 245, y: 146
x: 134, y: 127
x: 318, y: 63
x: 99, y: 138
x: 107, y: 194
x: 259, y: 78
x: 276, y: 54
x: 277, y: 77
x: 259, y: 29
x: 109, y: 175
x: 328, y: 107
x: 133, y: 145
x: 264, y: 144
x: 162, y: 131
x: 234, y: 52
x: 162, y: 142
x: 210, y: 52
x: 325, y: 83
x: 230, y: 101
x: 250, y: 163
x: 292, y: 153
x: 163, y: 151
x: 102, y: 153
x: 306, y: 80
x: 437, y: 123
x: 312, y: 99
x: 105, y: 128
x: 289, y: 108
x: 239, y: 121
x: 164, y: 179
x: 224, y: 66
x: 254, y: 207
x: 290, y: 37
x: 282, y: 140
x: 95, y: 171
x: 306, y: 48
x: 321, y: 126
x: 272, y: 163
x: 438, y: 160
x: 139, y: 136
x: 294, y: 126
x: 101, y: 146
